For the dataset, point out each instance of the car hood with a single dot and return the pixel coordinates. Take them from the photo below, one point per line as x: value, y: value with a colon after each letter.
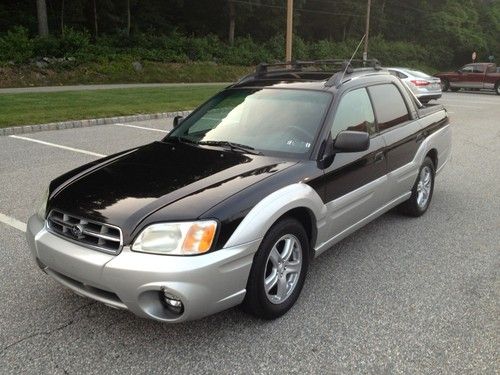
x: 123, y: 191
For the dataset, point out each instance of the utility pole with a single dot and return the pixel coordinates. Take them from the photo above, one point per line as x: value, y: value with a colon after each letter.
x: 367, y: 31
x: 289, y: 30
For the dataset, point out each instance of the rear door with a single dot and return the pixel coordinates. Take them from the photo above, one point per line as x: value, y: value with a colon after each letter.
x: 354, y: 181
x: 400, y: 131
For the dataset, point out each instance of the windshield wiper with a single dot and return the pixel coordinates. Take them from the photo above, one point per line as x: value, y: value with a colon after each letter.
x: 233, y: 146
x: 186, y: 140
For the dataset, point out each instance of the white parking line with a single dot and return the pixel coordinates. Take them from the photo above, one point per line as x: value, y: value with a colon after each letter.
x: 142, y: 127
x: 58, y: 146
x: 465, y: 101
x: 14, y: 223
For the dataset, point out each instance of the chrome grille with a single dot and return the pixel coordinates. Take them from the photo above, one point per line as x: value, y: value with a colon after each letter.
x: 98, y: 236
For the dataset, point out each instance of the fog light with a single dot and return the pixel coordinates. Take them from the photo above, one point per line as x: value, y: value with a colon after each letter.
x: 172, y: 302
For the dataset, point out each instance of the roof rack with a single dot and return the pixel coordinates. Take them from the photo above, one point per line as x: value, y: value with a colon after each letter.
x: 263, y: 68
x: 342, y: 66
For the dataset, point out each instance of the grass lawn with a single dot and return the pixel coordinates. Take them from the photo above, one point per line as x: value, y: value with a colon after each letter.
x: 39, y: 108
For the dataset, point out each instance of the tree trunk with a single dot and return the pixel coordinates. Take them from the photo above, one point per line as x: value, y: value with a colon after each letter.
x: 347, y: 29
x: 62, y: 17
x: 232, y: 22
x: 382, y: 18
x: 96, y: 29
x: 128, y: 18
x: 43, y: 25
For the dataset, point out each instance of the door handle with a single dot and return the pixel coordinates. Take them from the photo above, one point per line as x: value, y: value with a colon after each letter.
x: 379, y: 157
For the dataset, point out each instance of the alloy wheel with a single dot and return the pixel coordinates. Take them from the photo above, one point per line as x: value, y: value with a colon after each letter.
x: 283, y: 268
x: 424, y: 187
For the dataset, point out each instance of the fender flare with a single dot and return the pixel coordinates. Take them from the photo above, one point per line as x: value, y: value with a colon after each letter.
x: 265, y: 213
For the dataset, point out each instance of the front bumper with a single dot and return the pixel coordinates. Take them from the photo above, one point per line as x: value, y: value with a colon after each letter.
x: 205, y: 284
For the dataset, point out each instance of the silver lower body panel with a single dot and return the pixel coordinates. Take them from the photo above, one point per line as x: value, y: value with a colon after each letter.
x: 205, y: 284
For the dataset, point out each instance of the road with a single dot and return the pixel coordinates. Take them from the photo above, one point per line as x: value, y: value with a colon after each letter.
x: 21, y: 90
x: 402, y: 295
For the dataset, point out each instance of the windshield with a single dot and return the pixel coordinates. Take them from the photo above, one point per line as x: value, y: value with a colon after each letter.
x: 272, y: 121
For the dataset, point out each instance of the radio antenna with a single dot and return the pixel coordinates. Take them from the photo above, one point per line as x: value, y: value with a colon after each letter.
x: 352, y: 57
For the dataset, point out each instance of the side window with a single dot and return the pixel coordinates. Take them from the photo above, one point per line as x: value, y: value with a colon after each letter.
x: 398, y: 74
x: 354, y: 112
x: 389, y: 105
x: 479, y: 68
x: 402, y: 75
x: 467, y: 69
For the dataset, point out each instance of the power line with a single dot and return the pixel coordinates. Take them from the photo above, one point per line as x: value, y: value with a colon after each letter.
x: 317, y: 11
x: 298, y: 9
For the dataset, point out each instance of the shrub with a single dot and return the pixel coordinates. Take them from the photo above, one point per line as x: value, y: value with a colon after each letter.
x: 74, y: 41
x: 47, y: 47
x: 16, y: 46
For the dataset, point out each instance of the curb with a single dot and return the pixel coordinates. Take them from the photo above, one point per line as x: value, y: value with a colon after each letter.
x: 87, y: 123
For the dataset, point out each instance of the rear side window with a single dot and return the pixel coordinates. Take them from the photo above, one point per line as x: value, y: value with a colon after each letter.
x: 398, y: 74
x: 478, y: 68
x: 389, y: 105
x: 354, y: 112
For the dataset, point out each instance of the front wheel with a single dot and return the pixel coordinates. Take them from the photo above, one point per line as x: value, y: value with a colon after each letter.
x: 421, y: 193
x: 497, y: 88
x: 278, y: 271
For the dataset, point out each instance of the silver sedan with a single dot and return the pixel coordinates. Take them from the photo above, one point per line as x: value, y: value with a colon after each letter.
x: 424, y: 86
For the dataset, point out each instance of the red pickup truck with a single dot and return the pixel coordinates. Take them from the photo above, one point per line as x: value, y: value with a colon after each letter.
x: 472, y: 76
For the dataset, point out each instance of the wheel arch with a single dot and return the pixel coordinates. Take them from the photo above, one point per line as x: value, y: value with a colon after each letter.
x: 307, y: 219
x: 299, y: 201
x: 433, y: 154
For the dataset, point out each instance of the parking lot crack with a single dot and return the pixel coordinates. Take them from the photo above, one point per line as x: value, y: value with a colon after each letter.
x: 49, y: 332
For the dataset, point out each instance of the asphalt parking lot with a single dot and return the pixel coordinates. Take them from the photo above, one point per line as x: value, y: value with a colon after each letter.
x: 401, y: 295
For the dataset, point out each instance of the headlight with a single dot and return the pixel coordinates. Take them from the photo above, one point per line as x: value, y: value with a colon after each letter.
x: 177, y: 238
x: 42, y: 204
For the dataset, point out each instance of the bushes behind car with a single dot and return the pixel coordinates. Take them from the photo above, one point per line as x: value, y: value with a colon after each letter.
x: 16, y: 46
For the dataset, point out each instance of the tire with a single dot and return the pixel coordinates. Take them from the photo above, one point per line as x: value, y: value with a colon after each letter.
x: 497, y: 88
x: 269, y: 263
x: 445, y: 85
x: 421, y: 193
x: 424, y: 101
x: 454, y: 89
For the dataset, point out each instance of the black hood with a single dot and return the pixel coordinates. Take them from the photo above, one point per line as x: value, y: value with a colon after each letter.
x: 124, y: 190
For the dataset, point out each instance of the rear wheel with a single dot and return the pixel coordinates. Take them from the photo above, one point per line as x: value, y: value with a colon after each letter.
x: 278, y: 271
x: 497, y: 88
x: 421, y: 194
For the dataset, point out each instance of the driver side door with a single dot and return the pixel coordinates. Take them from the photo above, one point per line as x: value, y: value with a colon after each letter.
x: 354, y: 181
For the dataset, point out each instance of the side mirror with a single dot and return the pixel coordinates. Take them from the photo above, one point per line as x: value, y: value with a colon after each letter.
x: 178, y: 121
x: 459, y: 71
x: 351, y: 141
